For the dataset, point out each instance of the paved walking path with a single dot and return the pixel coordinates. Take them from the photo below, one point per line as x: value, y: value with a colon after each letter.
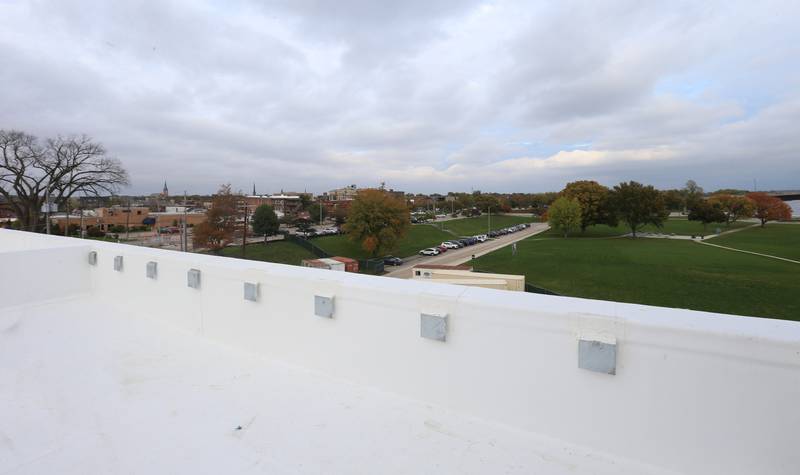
x: 464, y: 254
x: 749, y: 252
x: 685, y: 237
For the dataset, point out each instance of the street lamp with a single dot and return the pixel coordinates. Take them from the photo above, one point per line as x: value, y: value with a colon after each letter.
x: 489, y: 215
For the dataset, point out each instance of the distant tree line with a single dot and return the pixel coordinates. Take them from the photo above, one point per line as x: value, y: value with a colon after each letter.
x: 587, y: 203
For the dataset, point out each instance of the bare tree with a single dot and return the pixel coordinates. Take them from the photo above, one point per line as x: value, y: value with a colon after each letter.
x: 63, y: 167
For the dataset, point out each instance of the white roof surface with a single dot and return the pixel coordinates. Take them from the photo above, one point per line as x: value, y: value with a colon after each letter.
x: 88, y: 391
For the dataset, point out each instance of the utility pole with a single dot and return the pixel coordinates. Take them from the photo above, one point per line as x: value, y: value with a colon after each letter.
x: 128, y: 222
x: 81, y: 233
x: 184, y: 237
x: 244, y: 233
x: 47, y: 209
x: 489, y: 213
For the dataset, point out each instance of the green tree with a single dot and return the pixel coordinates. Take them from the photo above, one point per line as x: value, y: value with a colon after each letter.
x: 485, y: 201
x: 674, y: 200
x: 637, y: 205
x: 692, y: 194
x: 564, y: 215
x: 305, y: 201
x: 303, y: 226
x: 265, y: 221
x: 735, y: 207
x: 340, y: 215
x: 314, y: 211
x: 594, y: 200
x: 706, y: 212
x: 377, y: 221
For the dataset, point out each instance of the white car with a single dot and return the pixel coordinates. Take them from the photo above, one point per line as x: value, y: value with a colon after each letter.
x: 429, y: 252
x: 482, y: 238
x: 450, y: 245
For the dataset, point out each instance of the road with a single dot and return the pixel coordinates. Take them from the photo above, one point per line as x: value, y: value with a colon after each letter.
x: 464, y: 254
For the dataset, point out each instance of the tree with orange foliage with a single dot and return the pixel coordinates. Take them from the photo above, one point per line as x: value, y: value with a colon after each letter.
x: 769, y: 208
x: 377, y: 221
x: 735, y: 207
x: 217, y: 231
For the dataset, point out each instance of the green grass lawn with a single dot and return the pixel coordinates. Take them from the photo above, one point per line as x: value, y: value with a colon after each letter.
x: 419, y: 237
x: 598, y: 231
x: 685, y: 227
x: 679, y: 226
x: 282, y: 252
x: 782, y: 240
x: 480, y: 224
x: 668, y: 273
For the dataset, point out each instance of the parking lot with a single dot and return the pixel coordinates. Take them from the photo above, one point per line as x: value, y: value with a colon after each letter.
x: 464, y: 254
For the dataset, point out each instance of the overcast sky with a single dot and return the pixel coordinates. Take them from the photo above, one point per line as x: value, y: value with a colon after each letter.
x: 423, y: 95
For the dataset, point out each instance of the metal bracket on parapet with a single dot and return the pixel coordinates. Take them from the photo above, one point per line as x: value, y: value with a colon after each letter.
x: 152, y: 270
x: 433, y: 326
x: 251, y: 291
x: 323, y: 306
x: 598, y: 356
x: 193, y: 278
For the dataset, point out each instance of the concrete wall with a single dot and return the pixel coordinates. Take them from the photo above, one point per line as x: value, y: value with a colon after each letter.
x: 693, y: 392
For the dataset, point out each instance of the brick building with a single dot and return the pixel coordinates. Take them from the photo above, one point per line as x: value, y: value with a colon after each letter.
x: 283, y: 204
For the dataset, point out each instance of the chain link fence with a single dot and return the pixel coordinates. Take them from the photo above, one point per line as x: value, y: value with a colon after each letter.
x: 366, y: 266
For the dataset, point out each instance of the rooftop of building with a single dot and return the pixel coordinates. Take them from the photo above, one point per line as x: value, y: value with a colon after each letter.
x: 466, y: 267
x: 118, y: 364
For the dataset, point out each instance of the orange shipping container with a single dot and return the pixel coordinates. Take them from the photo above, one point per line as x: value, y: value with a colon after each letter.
x: 350, y: 265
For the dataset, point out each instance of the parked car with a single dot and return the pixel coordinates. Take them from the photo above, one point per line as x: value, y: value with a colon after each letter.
x: 450, y: 245
x: 482, y: 238
x: 472, y: 241
x: 442, y: 248
x: 392, y: 261
x: 429, y: 252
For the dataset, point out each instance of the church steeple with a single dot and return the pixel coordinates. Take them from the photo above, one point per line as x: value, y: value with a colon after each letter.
x: 166, y: 190
x: 254, y: 189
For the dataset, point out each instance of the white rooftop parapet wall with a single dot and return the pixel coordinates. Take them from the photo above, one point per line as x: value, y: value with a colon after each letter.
x: 693, y: 392
x: 40, y: 268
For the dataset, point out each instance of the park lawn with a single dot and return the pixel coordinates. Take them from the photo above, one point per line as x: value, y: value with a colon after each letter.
x: 679, y: 226
x: 419, y: 237
x: 669, y: 273
x: 597, y: 231
x: 782, y: 240
x: 684, y: 227
x: 281, y: 252
x: 480, y: 224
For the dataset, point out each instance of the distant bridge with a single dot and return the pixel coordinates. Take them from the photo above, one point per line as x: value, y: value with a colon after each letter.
x: 786, y: 195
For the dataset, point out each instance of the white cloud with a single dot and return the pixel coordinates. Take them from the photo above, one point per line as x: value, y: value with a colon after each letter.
x: 424, y: 95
